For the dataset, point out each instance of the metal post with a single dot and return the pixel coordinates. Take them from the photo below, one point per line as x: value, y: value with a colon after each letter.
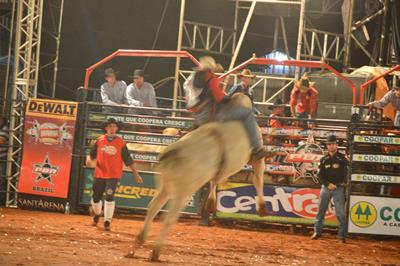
x: 178, y: 59
x: 347, y: 36
x: 300, y: 35
x: 235, y: 25
x: 243, y: 33
x: 285, y: 41
x: 383, y: 51
x: 58, y: 41
x: 9, y: 58
x: 26, y: 66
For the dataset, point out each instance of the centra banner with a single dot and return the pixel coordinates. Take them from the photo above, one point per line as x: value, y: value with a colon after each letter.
x: 284, y: 204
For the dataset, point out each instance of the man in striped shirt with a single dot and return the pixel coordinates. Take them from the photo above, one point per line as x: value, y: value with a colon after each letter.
x: 393, y: 97
x: 3, y: 159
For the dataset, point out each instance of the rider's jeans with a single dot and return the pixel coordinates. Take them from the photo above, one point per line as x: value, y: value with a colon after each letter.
x: 243, y: 114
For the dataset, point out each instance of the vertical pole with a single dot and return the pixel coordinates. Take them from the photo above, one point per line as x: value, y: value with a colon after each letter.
x: 276, y: 33
x: 235, y: 25
x: 39, y: 6
x: 300, y: 36
x: 178, y: 59
x: 284, y: 35
x: 383, y: 51
x: 58, y: 40
x: 9, y: 58
x: 347, y: 36
x: 243, y: 33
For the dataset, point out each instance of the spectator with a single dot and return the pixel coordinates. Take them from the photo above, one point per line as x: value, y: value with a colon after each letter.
x: 113, y: 92
x: 278, y: 110
x: 393, y: 97
x: 3, y: 159
x: 139, y: 92
x: 332, y: 174
x: 246, y: 78
x: 304, y: 99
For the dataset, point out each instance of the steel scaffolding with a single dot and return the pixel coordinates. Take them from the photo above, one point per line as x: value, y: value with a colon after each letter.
x: 28, y: 24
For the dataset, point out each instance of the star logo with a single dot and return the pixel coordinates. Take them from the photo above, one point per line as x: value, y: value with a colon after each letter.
x: 45, y: 171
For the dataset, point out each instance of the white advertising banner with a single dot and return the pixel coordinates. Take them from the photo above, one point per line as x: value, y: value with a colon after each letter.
x: 374, y: 215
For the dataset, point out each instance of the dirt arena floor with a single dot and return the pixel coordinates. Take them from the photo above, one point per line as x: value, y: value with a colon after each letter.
x: 40, y: 238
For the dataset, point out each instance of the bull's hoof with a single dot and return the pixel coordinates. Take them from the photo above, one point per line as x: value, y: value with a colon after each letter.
x: 155, y: 255
x: 131, y: 254
x: 262, y: 209
x: 140, y: 238
x: 210, y: 206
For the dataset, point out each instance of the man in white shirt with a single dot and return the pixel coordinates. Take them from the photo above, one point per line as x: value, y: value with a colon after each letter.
x: 113, y: 91
x: 139, y: 92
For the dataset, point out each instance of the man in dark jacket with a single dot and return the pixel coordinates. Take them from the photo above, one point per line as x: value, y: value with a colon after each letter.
x: 333, y: 170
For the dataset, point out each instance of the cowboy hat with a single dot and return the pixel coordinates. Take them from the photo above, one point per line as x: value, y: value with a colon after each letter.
x: 277, y: 103
x: 206, y: 63
x: 304, y: 83
x: 111, y: 121
x: 138, y: 73
x: 331, y: 139
x: 110, y: 72
x: 246, y: 73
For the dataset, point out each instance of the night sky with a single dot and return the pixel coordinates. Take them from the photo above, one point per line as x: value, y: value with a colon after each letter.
x: 96, y: 28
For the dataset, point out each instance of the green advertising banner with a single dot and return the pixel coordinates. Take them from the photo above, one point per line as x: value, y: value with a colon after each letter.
x: 130, y: 194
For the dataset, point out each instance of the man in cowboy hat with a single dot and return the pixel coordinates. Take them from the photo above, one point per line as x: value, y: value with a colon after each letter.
x: 113, y: 91
x: 212, y: 100
x: 333, y: 170
x: 111, y: 153
x: 393, y: 97
x: 139, y: 92
x: 244, y: 87
x: 277, y: 110
x: 304, y: 99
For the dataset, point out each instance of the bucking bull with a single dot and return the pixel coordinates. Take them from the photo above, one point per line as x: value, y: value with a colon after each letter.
x: 210, y: 153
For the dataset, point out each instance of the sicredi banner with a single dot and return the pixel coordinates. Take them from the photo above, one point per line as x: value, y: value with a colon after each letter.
x: 130, y: 194
x: 374, y: 215
x: 284, y: 204
x: 47, y: 149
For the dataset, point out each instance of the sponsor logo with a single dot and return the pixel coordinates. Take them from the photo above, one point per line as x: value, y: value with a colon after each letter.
x: 306, y: 160
x: 390, y: 216
x: 52, y: 108
x: 144, y: 157
x: 108, y: 149
x: 302, y: 202
x: 376, y: 158
x: 49, y: 133
x: 377, y: 139
x: 375, y: 178
x: 40, y: 204
x: 44, y: 171
x: 363, y: 214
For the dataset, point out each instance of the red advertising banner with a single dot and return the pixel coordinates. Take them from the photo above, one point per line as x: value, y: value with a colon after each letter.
x: 47, y: 148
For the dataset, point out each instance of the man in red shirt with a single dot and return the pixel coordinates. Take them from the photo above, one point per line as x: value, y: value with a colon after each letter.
x: 111, y: 153
x: 304, y: 99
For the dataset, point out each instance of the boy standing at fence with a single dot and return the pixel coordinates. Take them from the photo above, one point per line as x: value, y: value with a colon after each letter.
x: 111, y: 153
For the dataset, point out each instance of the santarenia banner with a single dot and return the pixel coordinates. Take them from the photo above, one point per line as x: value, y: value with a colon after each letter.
x: 47, y: 149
